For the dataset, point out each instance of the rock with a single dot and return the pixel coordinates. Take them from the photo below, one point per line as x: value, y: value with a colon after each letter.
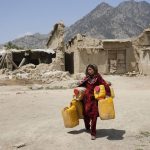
x: 131, y: 74
x: 19, y: 145
x: 2, y: 71
x: 36, y: 87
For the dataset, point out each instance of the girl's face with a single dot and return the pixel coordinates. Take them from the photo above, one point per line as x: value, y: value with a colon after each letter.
x: 90, y: 71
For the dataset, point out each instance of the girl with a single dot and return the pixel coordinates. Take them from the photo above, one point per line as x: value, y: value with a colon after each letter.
x: 90, y: 104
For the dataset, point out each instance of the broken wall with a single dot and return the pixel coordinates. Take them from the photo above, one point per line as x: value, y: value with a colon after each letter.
x: 86, y: 50
x: 145, y: 61
x: 142, y: 51
x: 56, y: 42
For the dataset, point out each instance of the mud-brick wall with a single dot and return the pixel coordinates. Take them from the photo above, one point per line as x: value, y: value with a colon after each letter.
x: 130, y: 61
x: 142, y: 48
x: 145, y: 61
x: 90, y: 56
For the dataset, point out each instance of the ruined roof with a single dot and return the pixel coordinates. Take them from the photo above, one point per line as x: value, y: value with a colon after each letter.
x: 116, y: 40
x: 74, y: 37
x: 49, y: 51
x: 91, y: 47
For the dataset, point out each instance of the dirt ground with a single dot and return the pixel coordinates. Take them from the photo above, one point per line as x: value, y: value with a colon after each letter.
x: 31, y: 119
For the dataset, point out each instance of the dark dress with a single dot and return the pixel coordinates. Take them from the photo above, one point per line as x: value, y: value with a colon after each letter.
x: 90, y: 104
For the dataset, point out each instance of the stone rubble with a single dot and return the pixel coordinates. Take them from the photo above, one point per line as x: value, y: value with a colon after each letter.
x: 43, y: 74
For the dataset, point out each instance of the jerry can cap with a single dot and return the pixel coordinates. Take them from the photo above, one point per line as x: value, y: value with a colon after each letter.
x: 97, y: 88
x: 76, y: 92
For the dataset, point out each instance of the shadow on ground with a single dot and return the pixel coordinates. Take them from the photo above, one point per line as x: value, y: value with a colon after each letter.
x: 77, y: 131
x: 111, y: 134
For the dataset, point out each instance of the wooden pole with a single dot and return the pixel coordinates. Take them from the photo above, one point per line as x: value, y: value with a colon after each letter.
x: 3, y: 64
x: 2, y: 61
x: 22, y: 62
x: 39, y: 61
x: 13, y: 63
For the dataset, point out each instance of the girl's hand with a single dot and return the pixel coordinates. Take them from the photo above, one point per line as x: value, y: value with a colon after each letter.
x: 109, y: 83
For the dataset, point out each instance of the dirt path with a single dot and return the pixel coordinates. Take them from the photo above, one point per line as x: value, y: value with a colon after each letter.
x: 33, y: 119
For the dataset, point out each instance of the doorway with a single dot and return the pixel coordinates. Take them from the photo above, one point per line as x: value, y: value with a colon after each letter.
x: 69, y: 62
x: 117, y: 61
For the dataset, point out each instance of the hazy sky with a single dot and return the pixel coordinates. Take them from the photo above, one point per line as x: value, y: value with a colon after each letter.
x: 21, y: 17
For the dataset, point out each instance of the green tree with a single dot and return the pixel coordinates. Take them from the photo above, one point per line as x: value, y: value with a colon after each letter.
x: 10, y: 45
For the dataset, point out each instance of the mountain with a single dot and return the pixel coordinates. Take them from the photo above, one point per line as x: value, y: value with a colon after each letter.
x: 34, y: 41
x: 126, y: 20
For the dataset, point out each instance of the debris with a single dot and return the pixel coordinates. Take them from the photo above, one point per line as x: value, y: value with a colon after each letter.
x: 133, y: 73
x: 36, y: 87
x: 78, y: 76
x: 42, y: 73
x: 19, y: 145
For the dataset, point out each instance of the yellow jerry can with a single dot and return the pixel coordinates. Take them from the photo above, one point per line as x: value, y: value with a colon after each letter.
x: 79, y: 93
x: 106, y: 108
x: 99, y: 92
x: 112, y: 92
x: 70, y: 117
x: 79, y: 108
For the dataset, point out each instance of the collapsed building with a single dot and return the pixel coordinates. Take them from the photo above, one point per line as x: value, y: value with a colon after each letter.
x: 54, y: 54
x: 142, y: 51
x: 13, y: 59
x: 56, y: 42
x: 112, y: 56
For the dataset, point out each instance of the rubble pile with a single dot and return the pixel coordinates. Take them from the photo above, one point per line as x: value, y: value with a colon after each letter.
x: 78, y: 76
x: 41, y: 72
x: 133, y: 74
x: 43, y: 75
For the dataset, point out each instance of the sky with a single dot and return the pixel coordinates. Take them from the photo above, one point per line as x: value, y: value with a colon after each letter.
x: 25, y: 17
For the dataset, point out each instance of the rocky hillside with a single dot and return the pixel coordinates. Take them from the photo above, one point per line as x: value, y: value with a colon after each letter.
x: 128, y: 19
x: 31, y: 41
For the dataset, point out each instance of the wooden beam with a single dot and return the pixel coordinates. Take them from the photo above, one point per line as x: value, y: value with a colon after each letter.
x: 2, y: 61
x: 22, y: 62
x: 13, y: 63
x: 39, y: 61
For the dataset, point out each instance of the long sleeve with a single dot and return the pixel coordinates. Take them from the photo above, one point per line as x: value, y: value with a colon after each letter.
x: 83, y: 82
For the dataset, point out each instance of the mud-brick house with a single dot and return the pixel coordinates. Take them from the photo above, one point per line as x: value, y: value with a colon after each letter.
x: 142, y: 48
x: 119, y: 56
x: 111, y: 56
x: 56, y: 42
x: 79, y: 50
